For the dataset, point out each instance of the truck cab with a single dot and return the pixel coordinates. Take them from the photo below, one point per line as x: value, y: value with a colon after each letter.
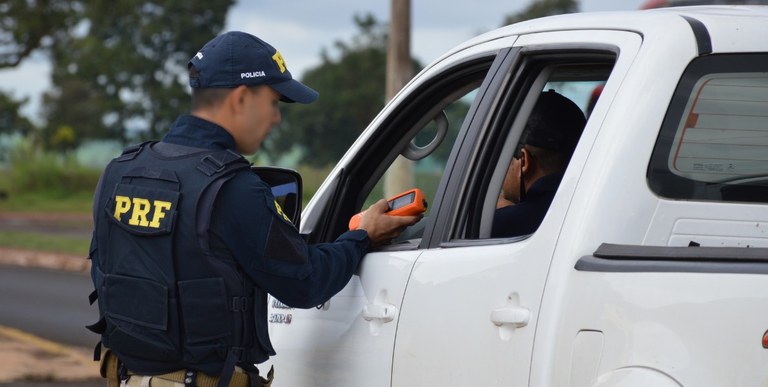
x: 650, y: 267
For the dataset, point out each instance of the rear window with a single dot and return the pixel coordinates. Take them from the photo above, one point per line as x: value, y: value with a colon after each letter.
x: 713, y: 144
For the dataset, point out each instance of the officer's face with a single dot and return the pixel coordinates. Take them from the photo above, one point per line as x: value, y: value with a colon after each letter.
x: 261, y: 113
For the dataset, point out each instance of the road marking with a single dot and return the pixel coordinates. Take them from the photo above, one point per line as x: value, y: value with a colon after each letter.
x: 48, y: 346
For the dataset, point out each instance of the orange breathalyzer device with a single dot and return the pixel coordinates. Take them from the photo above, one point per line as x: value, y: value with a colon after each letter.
x: 411, y: 202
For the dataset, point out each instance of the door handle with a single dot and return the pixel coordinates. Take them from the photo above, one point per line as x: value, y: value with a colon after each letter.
x: 514, y: 316
x: 379, y: 312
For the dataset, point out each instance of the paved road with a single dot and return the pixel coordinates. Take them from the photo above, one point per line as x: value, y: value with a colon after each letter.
x: 52, y: 304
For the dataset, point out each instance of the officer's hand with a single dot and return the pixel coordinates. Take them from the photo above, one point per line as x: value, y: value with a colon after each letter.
x: 381, y: 227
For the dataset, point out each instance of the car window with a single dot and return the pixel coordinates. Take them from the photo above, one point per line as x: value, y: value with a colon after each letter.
x: 580, y: 79
x: 714, y: 139
x: 426, y: 172
x: 443, y: 100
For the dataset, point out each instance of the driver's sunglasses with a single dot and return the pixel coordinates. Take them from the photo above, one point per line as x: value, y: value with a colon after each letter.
x: 519, y: 151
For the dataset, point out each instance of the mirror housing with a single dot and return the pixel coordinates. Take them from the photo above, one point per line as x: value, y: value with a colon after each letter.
x: 286, y: 188
x: 414, y: 152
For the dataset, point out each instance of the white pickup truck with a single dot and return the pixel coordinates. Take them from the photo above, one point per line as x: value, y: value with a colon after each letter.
x: 650, y: 267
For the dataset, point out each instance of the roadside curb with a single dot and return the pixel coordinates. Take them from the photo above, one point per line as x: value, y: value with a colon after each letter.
x: 45, y: 259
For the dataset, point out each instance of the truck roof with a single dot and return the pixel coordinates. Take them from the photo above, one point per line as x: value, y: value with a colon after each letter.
x: 728, y: 28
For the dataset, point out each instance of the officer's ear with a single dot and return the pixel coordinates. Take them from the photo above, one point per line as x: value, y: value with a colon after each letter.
x: 236, y: 99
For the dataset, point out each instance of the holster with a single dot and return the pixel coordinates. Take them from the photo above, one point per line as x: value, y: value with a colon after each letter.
x: 268, y: 381
x: 110, y: 367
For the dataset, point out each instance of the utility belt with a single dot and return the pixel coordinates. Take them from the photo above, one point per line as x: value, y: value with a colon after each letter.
x: 115, y: 373
x: 197, y: 379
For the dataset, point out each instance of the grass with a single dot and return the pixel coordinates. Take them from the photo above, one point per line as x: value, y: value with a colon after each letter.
x: 47, y: 202
x: 45, y: 242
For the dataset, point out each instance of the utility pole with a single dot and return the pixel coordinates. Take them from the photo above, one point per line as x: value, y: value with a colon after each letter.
x: 399, y: 177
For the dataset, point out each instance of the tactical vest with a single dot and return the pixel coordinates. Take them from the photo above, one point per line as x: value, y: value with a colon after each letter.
x: 166, y: 302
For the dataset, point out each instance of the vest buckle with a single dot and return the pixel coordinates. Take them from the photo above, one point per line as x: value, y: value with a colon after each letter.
x: 210, y: 165
x: 240, y: 304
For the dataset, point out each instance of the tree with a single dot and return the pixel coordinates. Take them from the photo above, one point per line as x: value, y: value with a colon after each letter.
x: 122, y: 73
x: 10, y: 120
x: 541, y: 8
x: 26, y: 26
x: 351, y: 90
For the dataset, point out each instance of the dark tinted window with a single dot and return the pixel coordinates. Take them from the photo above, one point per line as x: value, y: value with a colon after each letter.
x: 713, y: 143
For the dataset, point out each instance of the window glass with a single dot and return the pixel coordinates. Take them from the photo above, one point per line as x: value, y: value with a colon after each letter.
x: 714, y: 141
x: 583, y: 93
x: 428, y: 171
x: 516, y: 201
x: 421, y: 139
x: 724, y: 135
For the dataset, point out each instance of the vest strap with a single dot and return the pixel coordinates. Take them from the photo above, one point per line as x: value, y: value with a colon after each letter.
x: 130, y: 152
x: 229, y: 367
x: 99, y: 326
x: 216, y: 162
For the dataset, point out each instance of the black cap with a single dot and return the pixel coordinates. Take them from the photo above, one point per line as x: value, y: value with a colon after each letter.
x: 555, y: 123
x: 237, y: 58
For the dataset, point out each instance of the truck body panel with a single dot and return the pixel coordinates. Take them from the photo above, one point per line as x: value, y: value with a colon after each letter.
x: 650, y: 265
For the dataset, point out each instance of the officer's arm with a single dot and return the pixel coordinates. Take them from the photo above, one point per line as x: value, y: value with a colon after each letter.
x: 270, y: 250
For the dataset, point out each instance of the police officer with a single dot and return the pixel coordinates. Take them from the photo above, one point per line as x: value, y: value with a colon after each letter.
x: 548, y: 140
x: 188, y: 241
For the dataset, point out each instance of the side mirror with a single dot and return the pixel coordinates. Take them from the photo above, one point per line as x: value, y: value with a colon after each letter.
x: 286, y: 187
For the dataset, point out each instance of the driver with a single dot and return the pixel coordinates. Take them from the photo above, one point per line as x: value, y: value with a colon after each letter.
x: 535, y: 171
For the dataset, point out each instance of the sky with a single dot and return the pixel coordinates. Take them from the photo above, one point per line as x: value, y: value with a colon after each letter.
x: 302, y: 29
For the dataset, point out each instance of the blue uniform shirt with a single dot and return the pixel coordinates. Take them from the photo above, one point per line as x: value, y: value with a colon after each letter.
x: 247, y: 229
x: 524, y: 218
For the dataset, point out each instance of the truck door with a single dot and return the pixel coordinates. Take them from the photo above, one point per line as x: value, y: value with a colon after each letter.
x: 349, y: 341
x: 470, y: 311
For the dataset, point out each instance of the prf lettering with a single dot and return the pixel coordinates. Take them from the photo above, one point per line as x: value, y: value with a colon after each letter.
x: 140, y: 208
x: 280, y: 61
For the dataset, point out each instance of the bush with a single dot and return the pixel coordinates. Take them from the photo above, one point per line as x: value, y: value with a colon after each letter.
x: 311, y: 178
x: 57, y: 175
